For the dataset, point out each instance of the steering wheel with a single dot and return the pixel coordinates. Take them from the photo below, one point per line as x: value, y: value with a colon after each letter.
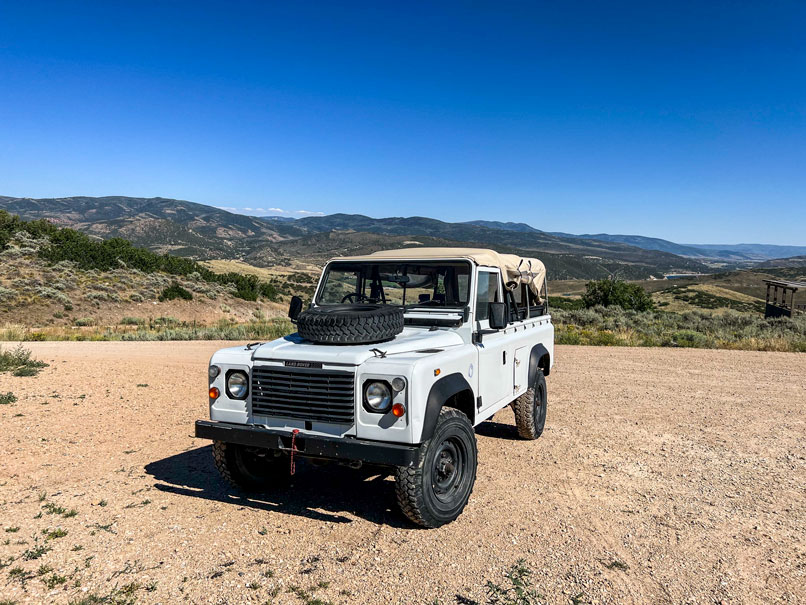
x: 355, y: 297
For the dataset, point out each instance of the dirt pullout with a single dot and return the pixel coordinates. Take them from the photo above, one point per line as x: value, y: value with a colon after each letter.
x: 665, y: 476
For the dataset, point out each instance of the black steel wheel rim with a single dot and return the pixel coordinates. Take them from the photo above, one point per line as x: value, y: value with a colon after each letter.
x: 448, y: 470
x: 540, y: 405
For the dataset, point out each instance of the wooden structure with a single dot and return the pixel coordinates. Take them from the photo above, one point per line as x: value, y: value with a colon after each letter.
x: 786, y: 305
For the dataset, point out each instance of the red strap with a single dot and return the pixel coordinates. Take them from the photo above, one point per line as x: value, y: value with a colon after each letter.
x: 293, y: 448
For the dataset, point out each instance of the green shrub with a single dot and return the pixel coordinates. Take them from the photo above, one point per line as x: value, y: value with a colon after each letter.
x: 166, y: 322
x: 565, y: 303
x: 84, y: 322
x: 175, y: 291
x: 615, y: 292
x: 25, y: 371
x: 7, y: 398
x: 604, y: 338
x: 689, y: 338
x: 69, y: 248
x: 132, y: 321
x: 517, y: 590
x: 19, y: 361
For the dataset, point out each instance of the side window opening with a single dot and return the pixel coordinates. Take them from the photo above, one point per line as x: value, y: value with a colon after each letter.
x: 536, y: 307
x: 519, y: 309
x: 486, y: 293
x: 525, y: 303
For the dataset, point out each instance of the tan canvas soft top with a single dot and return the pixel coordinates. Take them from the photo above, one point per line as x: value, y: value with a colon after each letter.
x: 515, y: 269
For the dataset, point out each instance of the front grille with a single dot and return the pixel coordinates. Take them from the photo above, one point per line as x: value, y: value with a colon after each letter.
x: 303, y: 393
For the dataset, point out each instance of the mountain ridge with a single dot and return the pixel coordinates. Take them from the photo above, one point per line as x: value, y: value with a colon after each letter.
x: 205, y: 232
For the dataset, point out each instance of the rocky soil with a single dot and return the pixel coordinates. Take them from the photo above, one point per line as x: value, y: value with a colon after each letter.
x: 664, y: 476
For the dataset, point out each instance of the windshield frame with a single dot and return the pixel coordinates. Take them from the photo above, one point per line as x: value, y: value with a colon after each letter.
x: 414, y: 261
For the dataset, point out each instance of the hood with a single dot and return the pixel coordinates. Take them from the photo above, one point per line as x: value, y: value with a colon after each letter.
x: 295, y: 348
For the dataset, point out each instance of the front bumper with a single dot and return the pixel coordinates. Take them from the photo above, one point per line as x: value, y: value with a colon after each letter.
x: 317, y: 446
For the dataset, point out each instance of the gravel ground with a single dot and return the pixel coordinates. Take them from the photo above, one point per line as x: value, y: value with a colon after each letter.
x: 664, y: 476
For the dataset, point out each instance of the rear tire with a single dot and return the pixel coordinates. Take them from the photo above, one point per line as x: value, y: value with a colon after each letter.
x: 530, y: 409
x: 250, y: 469
x: 436, y: 490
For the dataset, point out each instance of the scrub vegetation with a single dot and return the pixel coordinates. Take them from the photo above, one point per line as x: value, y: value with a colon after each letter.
x: 617, y: 313
x: 19, y: 362
x: 58, y: 245
x: 614, y: 326
x: 160, y: 328
x: 60, y: 284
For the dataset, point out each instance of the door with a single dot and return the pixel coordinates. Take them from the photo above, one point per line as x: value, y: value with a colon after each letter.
x: 494, y: 362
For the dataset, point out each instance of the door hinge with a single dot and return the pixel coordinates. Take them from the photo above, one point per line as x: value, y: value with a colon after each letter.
x: 505, y: 358
x: 478, y: 402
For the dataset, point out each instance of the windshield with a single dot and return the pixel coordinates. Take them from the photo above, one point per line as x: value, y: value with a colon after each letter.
x: 411, y: 284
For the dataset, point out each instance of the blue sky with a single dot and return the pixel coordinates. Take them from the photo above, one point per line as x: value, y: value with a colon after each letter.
x: 685, y: 121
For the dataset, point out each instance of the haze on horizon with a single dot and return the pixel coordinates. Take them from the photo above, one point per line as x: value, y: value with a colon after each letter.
x: 685, y: 122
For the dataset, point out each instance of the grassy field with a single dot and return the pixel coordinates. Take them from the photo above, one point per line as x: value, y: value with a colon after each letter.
x: 613, y: 326
x: 161, y: 328
x: 600, y: 326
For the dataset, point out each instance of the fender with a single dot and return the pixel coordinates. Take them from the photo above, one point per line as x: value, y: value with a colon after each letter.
x: 442, y: 390
x: 538, y: 352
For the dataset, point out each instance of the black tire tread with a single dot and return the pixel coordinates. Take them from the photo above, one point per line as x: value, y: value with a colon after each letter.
x: 408, y: 481
x: 224, y: 459
x: 523, y: 407
x: 220, y: 459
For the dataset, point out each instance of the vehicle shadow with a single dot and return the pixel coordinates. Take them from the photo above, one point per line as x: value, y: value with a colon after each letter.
x: 322, y: 493
x: 498, y: 430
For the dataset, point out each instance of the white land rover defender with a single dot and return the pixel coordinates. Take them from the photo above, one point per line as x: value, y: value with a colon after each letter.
x: 399, y: 356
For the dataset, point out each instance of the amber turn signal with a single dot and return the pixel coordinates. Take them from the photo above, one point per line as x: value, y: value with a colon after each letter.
x: 398, y: 410
x: 214, y: 393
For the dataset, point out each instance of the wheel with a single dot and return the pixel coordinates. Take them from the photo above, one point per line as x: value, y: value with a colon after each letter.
x: 436, y: 491
x: 250, y: 469
x: 530, y: 409
x: 350, y: 324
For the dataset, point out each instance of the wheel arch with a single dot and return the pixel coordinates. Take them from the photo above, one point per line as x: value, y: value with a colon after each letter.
x: 451, y: 391
x: 539, y: 359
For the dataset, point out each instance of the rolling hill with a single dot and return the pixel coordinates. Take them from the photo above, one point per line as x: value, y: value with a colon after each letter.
x: 204, y: 232
x: 790, y: 262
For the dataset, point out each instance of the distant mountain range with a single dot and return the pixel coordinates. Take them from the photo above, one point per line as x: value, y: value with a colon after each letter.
x: 724, y: 252
x: 753, y: 251
x: 204, y: 232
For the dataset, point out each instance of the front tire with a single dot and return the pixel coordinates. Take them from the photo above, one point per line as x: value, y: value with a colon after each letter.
x: 436, y: 491
x: 250, y: 469
x: 530, y: 409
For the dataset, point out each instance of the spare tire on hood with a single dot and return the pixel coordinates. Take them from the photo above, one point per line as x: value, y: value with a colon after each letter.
x: 350, y: 324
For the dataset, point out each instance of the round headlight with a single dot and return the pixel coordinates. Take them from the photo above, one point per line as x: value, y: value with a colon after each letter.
x: 378, y: 396
x: 213, y: 372
x: 237, y: 385
x: 398, y: 384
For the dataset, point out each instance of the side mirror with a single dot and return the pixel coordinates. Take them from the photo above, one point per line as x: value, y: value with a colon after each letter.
x: 498, y: 315
x: 294, y: 308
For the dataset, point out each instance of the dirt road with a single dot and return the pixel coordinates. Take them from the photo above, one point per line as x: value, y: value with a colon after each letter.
x: 664, y: 476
